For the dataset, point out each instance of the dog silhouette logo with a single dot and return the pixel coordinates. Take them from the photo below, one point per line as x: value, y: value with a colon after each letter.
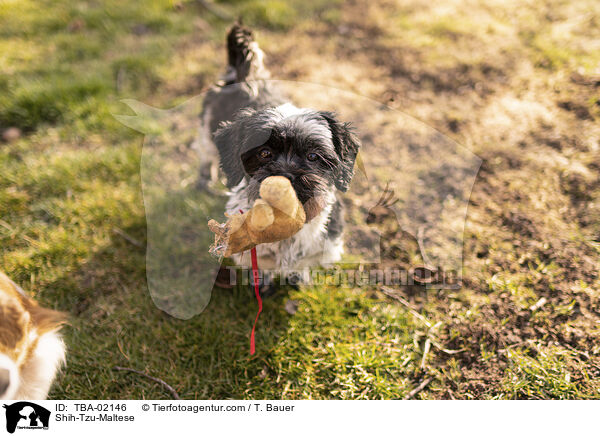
x: 26, y: 415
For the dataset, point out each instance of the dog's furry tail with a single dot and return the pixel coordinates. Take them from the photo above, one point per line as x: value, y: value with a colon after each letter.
x: 245, y: 58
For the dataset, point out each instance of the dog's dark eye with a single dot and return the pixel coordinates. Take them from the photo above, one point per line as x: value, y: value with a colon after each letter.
x: 312, y: 156
x: 265, y: 154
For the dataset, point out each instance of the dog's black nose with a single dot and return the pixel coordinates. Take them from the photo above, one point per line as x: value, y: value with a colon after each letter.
x: 289, y: 176
x: 4, y: 380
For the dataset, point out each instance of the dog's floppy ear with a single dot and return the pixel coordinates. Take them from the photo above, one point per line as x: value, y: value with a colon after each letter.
x: 246, y: 131
x: 228, y: 140
x: 346, y: 146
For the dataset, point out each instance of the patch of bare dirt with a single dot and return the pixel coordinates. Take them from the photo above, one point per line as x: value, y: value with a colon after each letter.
x: 534, y: 210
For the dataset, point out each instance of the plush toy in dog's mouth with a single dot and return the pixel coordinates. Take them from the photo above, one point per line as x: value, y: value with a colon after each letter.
x: 275, y: 216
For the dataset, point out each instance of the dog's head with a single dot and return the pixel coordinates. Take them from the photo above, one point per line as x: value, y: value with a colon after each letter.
x: 22, y: 323
x: 311, y: 148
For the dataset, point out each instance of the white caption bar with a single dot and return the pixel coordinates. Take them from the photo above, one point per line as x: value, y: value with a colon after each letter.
x: 298, y: 417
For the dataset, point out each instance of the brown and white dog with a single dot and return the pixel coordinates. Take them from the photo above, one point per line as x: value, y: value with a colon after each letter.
x: 31, y: 350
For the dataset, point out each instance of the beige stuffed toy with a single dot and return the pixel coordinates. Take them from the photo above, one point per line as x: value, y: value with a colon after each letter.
x: 276, y: 215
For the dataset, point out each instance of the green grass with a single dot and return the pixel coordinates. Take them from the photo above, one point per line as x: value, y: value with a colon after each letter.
x: 72, y: 182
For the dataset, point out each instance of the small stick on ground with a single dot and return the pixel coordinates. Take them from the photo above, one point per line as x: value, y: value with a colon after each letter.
x: 425, y: 352
x: 445, y: 350
x: 419, y: 388
x: 540, y: 303
x: 155, y: 379
x: 211, y: 7
x: 390, y: 293
x: 128, y: 238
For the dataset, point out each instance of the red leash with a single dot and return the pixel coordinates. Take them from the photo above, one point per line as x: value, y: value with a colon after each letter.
x: 254, y: 258
x: 257, y: 293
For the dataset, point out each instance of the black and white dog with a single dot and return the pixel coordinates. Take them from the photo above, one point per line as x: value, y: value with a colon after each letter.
x: 258, y: 133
